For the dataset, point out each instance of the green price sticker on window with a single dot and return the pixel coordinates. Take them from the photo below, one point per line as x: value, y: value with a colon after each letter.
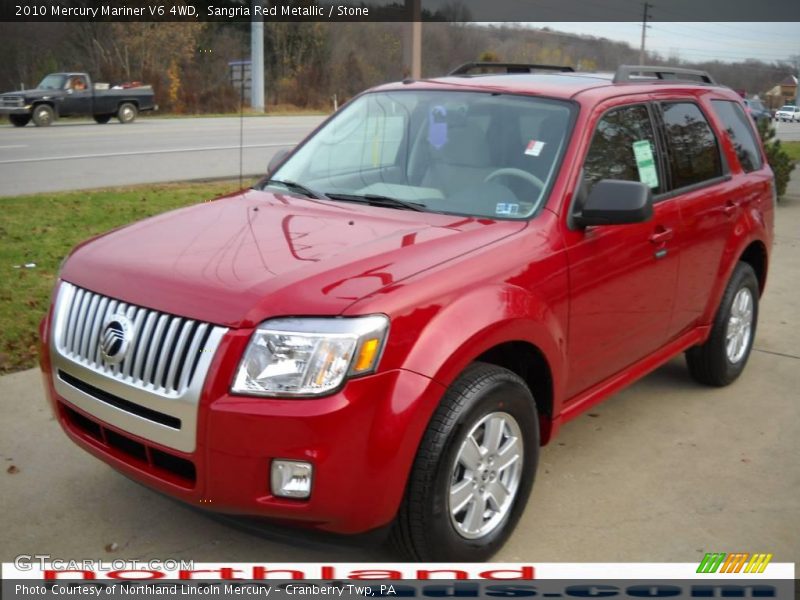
x: 643, y: 152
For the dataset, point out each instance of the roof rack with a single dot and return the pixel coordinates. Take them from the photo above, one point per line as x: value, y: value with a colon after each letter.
x: 630, y: 73
x: 511, y: 68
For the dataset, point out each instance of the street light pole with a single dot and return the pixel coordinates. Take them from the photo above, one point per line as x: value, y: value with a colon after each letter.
x: 256, y: 61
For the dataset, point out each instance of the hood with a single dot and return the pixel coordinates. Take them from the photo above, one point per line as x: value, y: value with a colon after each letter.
x: 239, y: 260
x: 32, y: 94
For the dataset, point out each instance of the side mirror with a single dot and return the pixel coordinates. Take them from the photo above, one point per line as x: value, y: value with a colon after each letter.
x: 616, y: 202
x: 277, y: 160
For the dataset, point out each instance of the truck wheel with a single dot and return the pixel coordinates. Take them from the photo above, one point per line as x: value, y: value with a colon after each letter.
x: 19, y: 120
x: 102, y: 119
x: 473, y: 471
x: 127, y: 113
x: 43, y: 115
x: 723, y: 357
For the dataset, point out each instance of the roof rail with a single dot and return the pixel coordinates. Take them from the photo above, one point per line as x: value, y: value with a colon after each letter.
x: 509, y: 67
x: 630, y: 72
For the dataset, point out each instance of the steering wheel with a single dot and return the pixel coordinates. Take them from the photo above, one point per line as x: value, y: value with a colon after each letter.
x: 518, y: 173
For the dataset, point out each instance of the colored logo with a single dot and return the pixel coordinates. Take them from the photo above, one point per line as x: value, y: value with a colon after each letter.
x: 738, y: 562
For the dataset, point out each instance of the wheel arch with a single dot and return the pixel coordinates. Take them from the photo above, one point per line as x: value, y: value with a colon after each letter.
x: 49, y: 103
x: 755, y: 255
x: 530, y: 363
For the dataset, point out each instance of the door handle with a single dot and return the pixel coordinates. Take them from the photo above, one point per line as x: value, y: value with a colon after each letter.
x: 731, y: 207
x: 664, y: 234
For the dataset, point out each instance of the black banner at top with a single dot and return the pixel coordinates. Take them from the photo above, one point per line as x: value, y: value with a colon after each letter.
x: 232, y: 11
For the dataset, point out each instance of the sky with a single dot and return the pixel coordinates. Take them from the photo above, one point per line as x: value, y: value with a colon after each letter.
x: 700, y: 41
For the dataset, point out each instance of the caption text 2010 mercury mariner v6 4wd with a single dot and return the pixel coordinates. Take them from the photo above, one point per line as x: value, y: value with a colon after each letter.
x: 384, y: 330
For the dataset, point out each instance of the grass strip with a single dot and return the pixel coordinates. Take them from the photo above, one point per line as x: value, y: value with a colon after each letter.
x: 41, y: 229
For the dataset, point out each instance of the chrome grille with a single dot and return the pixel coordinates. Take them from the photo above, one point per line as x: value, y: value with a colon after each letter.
x: 12, y: 101
x: 165, y: 349
x: 154, y: 391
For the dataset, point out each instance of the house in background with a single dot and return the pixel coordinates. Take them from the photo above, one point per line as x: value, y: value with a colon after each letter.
x: 783, y: 93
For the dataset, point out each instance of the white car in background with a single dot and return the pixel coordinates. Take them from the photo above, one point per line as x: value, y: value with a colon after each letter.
x: 788, y: 112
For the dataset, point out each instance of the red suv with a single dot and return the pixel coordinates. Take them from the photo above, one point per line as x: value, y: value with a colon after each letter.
x: 384, y: 331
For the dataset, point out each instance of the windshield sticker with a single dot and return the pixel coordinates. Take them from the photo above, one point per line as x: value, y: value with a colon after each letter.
x: 534, y: 148
x: 506, y: 208
x: 643, y: 152
x: 437, y: 127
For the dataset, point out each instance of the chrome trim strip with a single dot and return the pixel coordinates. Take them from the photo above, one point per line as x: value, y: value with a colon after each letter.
x: 79, y: 314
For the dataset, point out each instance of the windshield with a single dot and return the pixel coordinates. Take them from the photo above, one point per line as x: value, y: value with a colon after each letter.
x: 469, y: 153
x: 788, y: 107
x: 52, y: 82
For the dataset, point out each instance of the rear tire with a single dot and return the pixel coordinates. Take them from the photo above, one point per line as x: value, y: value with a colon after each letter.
x: 455, y: 512
x: 127, y: 113
x: 19, y: 120
x: 43, y: 115
x: 723, y: 357
x: 102, y: 119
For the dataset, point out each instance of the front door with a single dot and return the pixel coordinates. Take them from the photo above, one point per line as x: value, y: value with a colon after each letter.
x: 622, y: 277
x: 77, y: 99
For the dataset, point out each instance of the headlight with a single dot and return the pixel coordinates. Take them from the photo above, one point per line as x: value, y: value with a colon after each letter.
x: 309, y: 356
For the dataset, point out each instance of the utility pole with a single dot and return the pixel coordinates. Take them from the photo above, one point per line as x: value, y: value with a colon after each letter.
x: 645, y: 17
x: 412, y: 42
x: 256, y: 61
x: 797, y: 80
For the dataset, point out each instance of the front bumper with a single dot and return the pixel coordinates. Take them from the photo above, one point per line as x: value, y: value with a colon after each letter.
x: 362, y: 442
x: 15, y: 110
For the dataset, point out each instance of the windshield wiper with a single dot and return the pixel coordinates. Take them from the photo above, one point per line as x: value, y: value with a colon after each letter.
x: 296, y: 187
x: 377, y: 200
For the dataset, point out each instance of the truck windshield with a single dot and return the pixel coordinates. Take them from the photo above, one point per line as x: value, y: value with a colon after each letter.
x: 52, y: 82
x: 469, y: 153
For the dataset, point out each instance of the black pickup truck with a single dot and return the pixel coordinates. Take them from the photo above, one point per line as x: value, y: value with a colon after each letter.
x: 73, y: 94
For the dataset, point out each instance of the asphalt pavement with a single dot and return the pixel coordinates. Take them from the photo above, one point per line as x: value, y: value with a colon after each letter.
x: 666, y: 470
x: 80, y: 154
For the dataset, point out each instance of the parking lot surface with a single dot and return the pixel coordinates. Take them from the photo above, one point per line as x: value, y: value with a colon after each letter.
x: 664, y: 471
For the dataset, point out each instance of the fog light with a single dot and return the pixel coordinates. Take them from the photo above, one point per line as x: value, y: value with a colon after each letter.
x: 291, y: 478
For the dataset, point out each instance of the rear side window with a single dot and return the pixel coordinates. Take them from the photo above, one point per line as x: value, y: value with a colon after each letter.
x: 693, y: 150
x: 741, y: 132
x: 623, y: 147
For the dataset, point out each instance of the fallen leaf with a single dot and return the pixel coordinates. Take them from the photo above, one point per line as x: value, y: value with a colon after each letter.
x: 112, y: 547
x: 12, y: 470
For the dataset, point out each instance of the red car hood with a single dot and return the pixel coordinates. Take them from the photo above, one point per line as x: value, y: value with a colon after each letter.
x: 241, y: 259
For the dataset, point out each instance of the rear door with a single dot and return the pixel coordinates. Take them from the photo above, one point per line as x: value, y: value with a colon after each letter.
x: 700, y: 182
x: 713, y: 193
x: 622, y: 277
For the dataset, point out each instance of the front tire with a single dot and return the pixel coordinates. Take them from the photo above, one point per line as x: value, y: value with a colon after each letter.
x: 723, y: 357
x: 19, y: 120
x: 474, y: 469
x: 43, y: 115
x: 127, y: 113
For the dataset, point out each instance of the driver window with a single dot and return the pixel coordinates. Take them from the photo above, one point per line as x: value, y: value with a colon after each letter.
x: 77, y: 84
x: 623, y: 147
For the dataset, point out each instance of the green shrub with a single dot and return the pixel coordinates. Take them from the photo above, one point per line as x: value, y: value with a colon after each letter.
x: 778, y: 159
